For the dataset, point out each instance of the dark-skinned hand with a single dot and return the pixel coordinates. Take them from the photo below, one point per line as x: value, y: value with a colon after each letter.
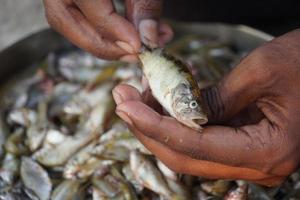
x: 256, y: 107
x: 95, y: 26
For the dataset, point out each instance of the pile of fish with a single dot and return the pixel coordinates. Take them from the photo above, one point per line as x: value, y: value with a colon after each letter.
x: 61, y: 140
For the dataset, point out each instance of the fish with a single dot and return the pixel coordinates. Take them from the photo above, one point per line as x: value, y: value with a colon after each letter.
x: 35, y: 178
x: 67, y: 190
x: 61, y: 139
x: 240, y: 193
x: 216, y: 188
x: 147, y: 174
x: 173, y: 86
x: 9, y: 170
x: 113, y: 186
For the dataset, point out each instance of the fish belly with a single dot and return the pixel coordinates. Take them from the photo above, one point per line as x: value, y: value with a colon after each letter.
x: 163, y: 76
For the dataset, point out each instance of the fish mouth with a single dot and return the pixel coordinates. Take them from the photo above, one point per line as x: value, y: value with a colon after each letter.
x: 195, y: 122
x: 200, y: 121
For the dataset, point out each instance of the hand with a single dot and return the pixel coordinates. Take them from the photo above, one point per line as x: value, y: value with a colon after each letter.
x: 95, y: 26
x: 257, y: 107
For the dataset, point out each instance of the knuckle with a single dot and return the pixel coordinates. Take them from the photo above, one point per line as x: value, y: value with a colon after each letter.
x: 103, y: 53
x: 281, y: 160
x: 263, y: 64
x: 262, y: 60
x: 149, y: 8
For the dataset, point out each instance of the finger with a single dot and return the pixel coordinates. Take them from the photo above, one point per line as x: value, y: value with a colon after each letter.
x: 241, y: 87
x: 165, y: 34
x: 252, y: 146
x: 123, y: 93
x: 129, y: 58
x: 181, y: 163
x: 144, y: 14
x: 101, y: 14
x: 148, y: 29
x: 69, y: 21
x: 138, y: 10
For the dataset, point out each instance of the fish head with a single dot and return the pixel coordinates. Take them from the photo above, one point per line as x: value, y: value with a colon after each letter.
x: 187, y: 106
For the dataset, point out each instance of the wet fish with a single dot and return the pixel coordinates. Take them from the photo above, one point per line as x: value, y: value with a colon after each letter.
x: 148, y: 175
x: 84, y: 101
x: 173, y: 86
x: 61, y: 125
x: 35, y: 178
x: 14, y: 143
x: 22, y: 116
x: 112, y: 186
x: 36, y: 132
x: 4, y: 133
x: 166, y: 171
x: 59, y: 153
x: 128, y: 173
x: 239, y: 193
x: 217, y: 188
x: 84, y: 164
x: 9, y: 170
x: 67, y: 190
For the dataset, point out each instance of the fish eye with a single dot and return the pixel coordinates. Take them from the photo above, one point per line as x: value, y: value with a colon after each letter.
x: 193, y: 104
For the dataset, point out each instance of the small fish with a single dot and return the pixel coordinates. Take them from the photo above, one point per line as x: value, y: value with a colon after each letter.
x: 36, y: 178
x: 112, y: 186
x: 240, y: 193
x: 216, y: 188
x: 60, y: 148
x: 174, y: 87
x: 67, y: 190
x: 169, y: 174
x: 14, y: 143
x: 9, y: 170
x: 147, y: 174
x: 22, y: 116
x: 128, y: 173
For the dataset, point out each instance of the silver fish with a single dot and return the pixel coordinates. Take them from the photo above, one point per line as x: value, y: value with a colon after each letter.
x: 148, y: 175
x: 35, y: 178
x: 67, y: 190
x: 59, y: 153
x: 239, y: 193
x: 9, y: 169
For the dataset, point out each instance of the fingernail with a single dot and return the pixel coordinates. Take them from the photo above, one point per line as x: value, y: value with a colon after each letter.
x: 124, y: 116
x: 125, y: 46
x: 117, y: 97
x: 148, y: 29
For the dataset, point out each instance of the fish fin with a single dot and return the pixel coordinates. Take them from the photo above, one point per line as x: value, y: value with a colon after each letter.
x: 145, y: 48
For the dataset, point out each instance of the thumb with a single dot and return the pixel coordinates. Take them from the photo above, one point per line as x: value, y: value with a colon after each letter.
x: 236, y: 91
x: 144, y: 14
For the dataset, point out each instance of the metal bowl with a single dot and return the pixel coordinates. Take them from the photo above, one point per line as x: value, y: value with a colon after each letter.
x: 23, y: 54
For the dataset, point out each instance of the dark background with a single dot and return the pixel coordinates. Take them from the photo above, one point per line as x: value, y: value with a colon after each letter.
x: 272, y: 16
